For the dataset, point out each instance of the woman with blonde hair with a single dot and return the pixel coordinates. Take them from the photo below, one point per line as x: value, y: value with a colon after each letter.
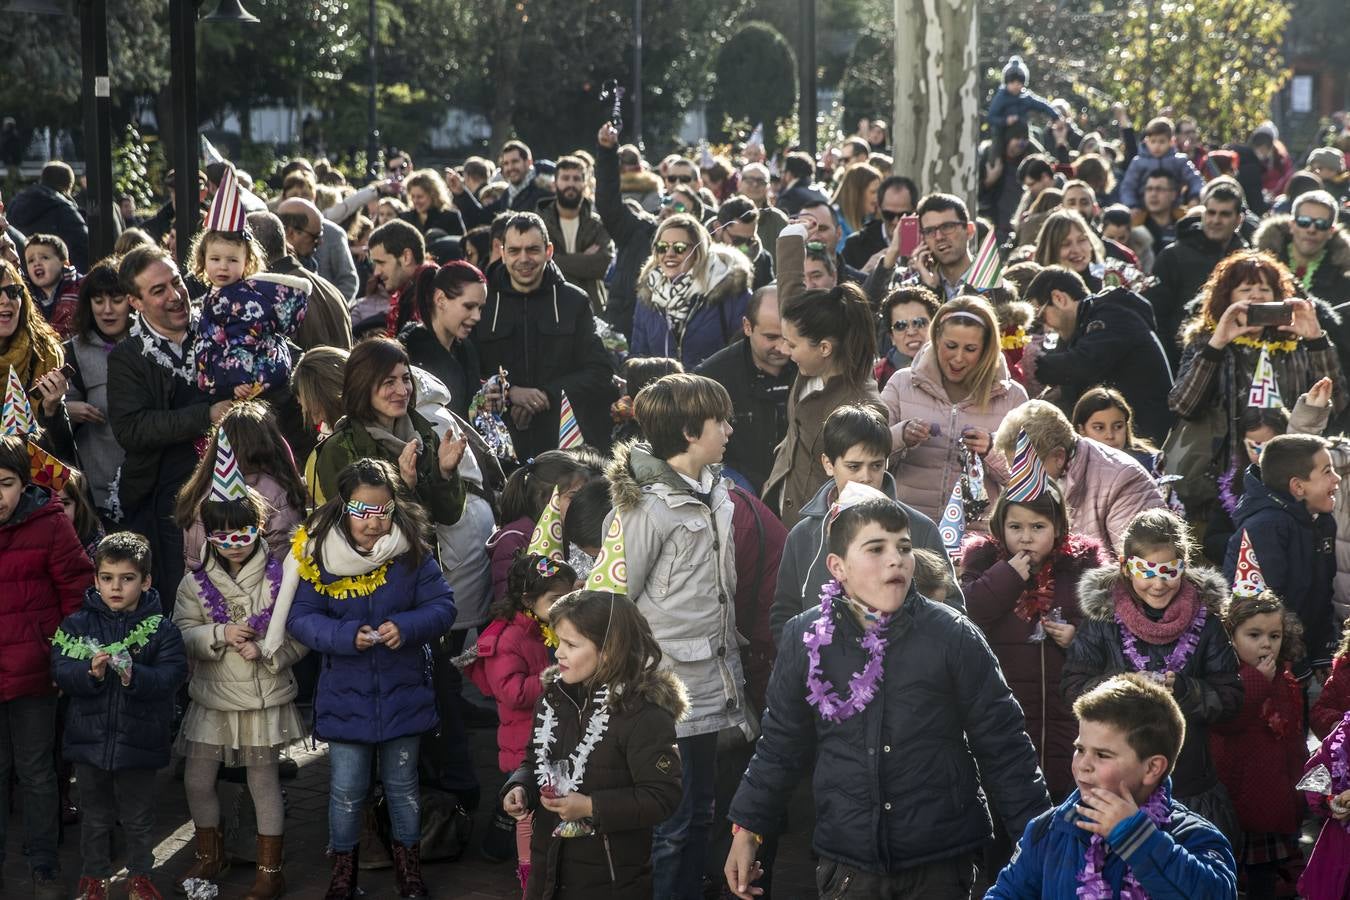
x: 855, y: 199
x: 954, y: 395
x: 430, y: 201
x: 692, y: 294
x: 1067, y: 240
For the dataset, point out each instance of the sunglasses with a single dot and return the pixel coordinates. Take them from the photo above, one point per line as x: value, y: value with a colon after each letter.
x: 891, y: 215
x: 1310, y: 222
x: 12, y: 291
x: 234, y: 540
x: 358, y: 510
x: 679, y: 179
x: 664, y: 247
x: 918, y: 324
x: 677, y: 205
x: 753, y: 179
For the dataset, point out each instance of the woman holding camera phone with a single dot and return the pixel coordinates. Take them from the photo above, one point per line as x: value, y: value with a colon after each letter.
x: 1250, y: 305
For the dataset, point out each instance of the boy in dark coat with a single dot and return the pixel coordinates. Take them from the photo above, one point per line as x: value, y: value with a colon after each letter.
x: 120, y: 661
x: 1286, y: 512
x: 1121, y: 829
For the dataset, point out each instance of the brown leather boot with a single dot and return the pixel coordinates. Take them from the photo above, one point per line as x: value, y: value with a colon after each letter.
x: 268, y: 883
x: 346, y: 869
x: 211, y: 859
x: 408, y: 870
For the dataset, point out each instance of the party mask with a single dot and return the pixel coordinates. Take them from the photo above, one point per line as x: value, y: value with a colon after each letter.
x: 1138, y: 567
x: 234, y: 540
x: 358, y: 510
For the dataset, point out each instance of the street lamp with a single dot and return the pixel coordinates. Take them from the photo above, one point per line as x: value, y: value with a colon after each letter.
x: 372, y: 123
x: 806, y: 58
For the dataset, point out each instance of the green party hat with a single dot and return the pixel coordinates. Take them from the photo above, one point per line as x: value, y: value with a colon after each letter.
x: 547, y: 539
x: 611, y: 570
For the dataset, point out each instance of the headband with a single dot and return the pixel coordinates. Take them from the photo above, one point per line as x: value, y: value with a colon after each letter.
x: 1139, y: 567
x: 234, y: 540
x: 358, y: 510
x: 963, y: 314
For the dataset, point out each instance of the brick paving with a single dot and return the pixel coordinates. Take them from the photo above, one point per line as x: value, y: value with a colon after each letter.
x: 470, y: 878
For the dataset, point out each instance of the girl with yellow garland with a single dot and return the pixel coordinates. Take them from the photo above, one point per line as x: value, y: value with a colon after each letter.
x: 243, y: 703
x: 1222, y: 351
x: 362, y: 587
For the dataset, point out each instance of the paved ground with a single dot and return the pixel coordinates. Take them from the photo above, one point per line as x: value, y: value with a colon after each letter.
x: 471, y: 878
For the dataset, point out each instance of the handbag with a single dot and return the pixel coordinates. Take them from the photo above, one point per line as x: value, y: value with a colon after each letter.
x: 1194, y: 452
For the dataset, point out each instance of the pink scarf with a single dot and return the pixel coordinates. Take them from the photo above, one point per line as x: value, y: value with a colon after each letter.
x: 1175, y: 619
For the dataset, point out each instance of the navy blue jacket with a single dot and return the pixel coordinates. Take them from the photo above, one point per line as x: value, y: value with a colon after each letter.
x: 1297, y: 555
x: 379, y: 694
x: 109, y: 726
x: 898, y: 785
x: 1189, y: 859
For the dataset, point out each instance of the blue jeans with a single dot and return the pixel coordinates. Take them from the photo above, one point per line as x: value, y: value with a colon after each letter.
x: 349, y: 779
x: 680, y: 843
x: 27, y: 749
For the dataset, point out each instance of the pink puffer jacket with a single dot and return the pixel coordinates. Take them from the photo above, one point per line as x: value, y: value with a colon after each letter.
x: 925, y: 475
x: 1104, y: 488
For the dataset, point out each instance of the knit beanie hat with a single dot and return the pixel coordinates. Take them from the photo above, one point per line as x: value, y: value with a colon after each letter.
x: 1016, y: 70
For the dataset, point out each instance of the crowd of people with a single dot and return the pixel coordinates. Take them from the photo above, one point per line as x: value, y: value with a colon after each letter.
x: 1016, y: 531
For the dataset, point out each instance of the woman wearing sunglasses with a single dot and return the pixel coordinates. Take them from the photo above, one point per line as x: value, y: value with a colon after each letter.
x: 31, y: 349
x: 691, y: 294
x: 906, y: 313
x: 362, y: 588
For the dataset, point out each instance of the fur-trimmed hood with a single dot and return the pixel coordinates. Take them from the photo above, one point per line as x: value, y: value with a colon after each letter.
x: 1276, y: 233
x: 659, y: 687
x: 639, y: 183
x: 1097, y: 590
x: 729, y: 276
x: 632, y: 466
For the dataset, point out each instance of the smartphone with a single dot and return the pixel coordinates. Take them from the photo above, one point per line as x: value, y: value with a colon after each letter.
x: 67, y: 370
x: 909, y: 235
x: 1267, y: 314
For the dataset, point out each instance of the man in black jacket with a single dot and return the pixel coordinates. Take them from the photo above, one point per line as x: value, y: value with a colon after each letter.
x: 540, y: 329
x: 896, y: 196
x: 155, y: 409
x: 738, y: 226
x: 1183, y: 267
x: 758, y: 374
x: 1106, y: 339
x: 628, y: 224
x: 521, y: 194
x: 47, y: 208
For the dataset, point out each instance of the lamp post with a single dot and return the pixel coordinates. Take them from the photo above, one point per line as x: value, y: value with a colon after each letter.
x: 806, y: 60
x: 373, y: 137
x: 637, y: 73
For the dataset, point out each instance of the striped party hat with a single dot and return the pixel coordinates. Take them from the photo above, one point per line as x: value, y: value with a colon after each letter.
x: 227, y: 482
x: 569, y: 432
x: 953, y: 525
x: 1265, y: 392
x: 17, y: 417
x: 547, y: 539
x: 611, y: 570
x: 987, y: 269
x: 227, y: 212
x: 1027, y: 480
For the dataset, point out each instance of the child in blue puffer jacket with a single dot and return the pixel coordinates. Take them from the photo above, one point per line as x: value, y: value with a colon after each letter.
x: 1120, y: 834
x: 369, y: 596
x: 120, y: 660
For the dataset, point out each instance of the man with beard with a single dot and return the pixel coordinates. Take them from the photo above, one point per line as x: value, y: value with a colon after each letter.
x: 758, y: 374
x: 582, y: 248
x: 540, y: 329
x: 155, y: 409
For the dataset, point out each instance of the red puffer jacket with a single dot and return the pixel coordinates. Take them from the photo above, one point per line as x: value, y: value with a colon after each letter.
x: 1259, y: 754
x: 44, y: 572
x: 511, y: 657
x: 759, y: 537
x: 1334, y: 701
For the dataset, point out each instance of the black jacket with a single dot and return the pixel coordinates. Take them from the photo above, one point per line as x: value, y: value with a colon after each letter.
x: 156, y: 417
x: 763, y: 263
x: 457, y: 369
x: 109, y: 726
x: 1297, y: 555
x: 39, y: 209
x: 547, y: 340
x: 1208, y: 688
x: 759, y: 401
x: 1181, y: 270
x: 632, y: 232
x: 860, y: 246
x: 1115, y: 343
x: 447, y: 220
x: 903, y: 782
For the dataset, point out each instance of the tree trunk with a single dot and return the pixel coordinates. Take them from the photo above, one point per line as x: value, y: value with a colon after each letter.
x: 505, y: 60
x: 936, y: 128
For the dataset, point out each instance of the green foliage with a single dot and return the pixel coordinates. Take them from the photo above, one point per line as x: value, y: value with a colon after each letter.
x: 132, y: 160
x: 755, y: 81
x: 1217, y: 60
x: 868, y: 86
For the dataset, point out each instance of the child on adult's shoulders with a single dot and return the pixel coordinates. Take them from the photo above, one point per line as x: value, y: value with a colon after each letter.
x: 1120, y: 833
x: 870, y: 681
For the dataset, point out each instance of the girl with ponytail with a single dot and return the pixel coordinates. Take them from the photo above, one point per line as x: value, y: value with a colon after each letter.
x: 831, y: 336
x: 448, y: 302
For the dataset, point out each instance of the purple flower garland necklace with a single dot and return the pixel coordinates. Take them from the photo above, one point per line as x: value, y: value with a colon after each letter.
x: 1092, y: 883
x: 862, y: 685
x: 1339, y: 756
x: 218, y: 608
x: 1186, y: 645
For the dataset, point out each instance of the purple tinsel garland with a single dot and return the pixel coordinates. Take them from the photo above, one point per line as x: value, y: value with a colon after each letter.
x: 1339, y: 757
x: 1092, y: 884
x: 1180, y: 653
x: 863, y: 685
x: 1227, y: 496
x: 215, y: 604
